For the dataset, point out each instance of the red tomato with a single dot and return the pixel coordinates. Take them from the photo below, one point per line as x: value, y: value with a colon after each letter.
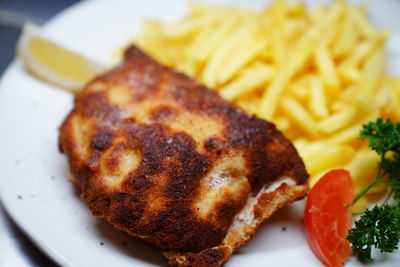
x: 328, y: 217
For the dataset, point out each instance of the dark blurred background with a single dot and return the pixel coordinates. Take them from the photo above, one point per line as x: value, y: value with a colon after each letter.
x: 13, y: 14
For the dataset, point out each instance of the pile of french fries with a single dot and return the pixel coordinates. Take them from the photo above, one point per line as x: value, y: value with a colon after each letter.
x: 318, y: 74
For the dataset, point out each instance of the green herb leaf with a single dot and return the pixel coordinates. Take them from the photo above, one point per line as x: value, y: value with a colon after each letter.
x: 379, y: 228
x: 383, y: 135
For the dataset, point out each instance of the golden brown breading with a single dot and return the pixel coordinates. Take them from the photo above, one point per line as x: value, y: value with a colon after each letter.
x: 167, y: 160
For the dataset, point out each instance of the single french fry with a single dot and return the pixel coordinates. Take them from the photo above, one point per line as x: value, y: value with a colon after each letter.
x: 300, y: 115
x: 252, y: 78
x: 317, y: 100
x: 338, y: 120
x: 350, y: 135
x: 370, y: 77
x: 270, y: 98
x: 346, y: 136
x: 278, y: 49
x: 326, y: 67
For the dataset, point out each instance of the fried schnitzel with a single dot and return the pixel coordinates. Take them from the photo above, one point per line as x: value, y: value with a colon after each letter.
x: 163, y: 158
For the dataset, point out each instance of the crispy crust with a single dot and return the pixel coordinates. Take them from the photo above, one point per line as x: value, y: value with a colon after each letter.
x: 266, y: 205
x: 167, y: 160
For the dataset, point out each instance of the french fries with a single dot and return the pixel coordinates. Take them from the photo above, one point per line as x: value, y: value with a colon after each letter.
x: 326, y: 68
x: 252, y: 78
x: 317, y: 99
x: 317, y: 73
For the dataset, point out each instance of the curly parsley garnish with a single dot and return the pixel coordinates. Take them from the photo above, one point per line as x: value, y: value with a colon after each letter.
x: 379, y: 227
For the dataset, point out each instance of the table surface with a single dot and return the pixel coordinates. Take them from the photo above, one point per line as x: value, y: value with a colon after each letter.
x: 16, y: 250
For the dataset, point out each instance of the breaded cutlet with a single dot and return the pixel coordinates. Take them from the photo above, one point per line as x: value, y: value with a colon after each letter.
x: 167, y: 160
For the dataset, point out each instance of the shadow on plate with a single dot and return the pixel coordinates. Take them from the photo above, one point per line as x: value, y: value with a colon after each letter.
x: 129, y: 245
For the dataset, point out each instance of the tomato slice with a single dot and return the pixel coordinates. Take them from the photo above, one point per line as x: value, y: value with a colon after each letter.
x: 328, y: 217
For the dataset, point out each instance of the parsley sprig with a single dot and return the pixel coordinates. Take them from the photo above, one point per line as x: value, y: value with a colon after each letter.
x: 379, y: 227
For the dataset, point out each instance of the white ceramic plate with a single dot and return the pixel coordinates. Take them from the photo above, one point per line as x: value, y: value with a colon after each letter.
x: 33, y: 183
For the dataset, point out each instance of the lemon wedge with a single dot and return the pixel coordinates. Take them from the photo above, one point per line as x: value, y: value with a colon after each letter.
x: 53, y: 63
